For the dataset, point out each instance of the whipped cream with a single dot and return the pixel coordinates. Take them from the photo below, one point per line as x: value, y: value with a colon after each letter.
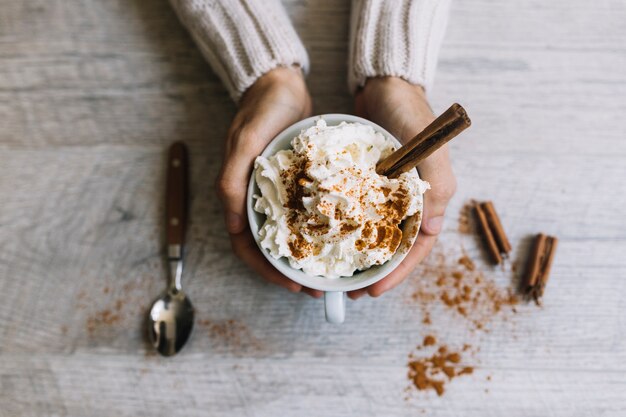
x: 327, y: 210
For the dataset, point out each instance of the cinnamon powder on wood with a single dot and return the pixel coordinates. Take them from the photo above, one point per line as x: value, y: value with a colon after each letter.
x: 433, y: 371
x: 465, y: 291
x: 463, y: 288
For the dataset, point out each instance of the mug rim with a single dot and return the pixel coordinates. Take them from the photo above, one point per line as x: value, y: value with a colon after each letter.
x: 359, y: 279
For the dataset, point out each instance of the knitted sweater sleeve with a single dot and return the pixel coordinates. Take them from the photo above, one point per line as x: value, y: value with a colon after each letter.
x: 398, y: 38
x: 242, y: 39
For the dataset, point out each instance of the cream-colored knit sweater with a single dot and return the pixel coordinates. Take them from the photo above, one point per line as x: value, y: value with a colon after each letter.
x: 244, y: 39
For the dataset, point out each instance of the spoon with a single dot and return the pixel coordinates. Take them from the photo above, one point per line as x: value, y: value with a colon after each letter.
x: 171, y: 316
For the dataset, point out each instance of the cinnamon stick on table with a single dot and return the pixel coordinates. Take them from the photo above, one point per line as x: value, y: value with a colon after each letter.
x: 539, y: 264
x: 445, y: 127
x: 492, y: 231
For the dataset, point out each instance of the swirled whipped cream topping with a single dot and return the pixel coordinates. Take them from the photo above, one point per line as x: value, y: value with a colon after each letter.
x: 327, y: 210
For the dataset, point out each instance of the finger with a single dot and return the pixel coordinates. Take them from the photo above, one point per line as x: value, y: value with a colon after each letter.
x: 232, y: 183
x: 313, y: 293
x: 437, y: 170
x: 246, y: 249
x: 421, y: 248
x: 356, y: 294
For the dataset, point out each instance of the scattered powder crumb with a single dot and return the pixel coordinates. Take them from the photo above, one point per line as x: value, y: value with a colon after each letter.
x: 467, y: 263
x: 465, y: 218
x: 111, y: 309
x: 230, y: 333
x: 426, y: 318
x: 433, y: 371
x: 464, y: 289
x: 102, y: 318
x: 429, y: 340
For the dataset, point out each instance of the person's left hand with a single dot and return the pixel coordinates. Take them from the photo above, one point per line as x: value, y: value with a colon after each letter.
x: 275, y: 101
x: 402, y: 109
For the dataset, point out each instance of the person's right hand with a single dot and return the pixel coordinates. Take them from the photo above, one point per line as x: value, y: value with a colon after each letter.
x: 402, y: 109
x: 274, y: 102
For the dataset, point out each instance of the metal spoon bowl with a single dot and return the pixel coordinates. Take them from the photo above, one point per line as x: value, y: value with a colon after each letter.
x: 171, y: 322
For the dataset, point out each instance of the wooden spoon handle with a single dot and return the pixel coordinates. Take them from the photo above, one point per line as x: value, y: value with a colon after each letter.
x: 176, y: 196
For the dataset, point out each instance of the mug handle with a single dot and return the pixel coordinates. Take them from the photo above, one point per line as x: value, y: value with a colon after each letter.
x: 335, y: 306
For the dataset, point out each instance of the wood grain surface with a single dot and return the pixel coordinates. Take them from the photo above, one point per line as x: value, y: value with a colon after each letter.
x: 92, y: 92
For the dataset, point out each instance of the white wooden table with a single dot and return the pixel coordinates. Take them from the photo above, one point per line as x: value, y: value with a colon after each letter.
x: 92, y: 92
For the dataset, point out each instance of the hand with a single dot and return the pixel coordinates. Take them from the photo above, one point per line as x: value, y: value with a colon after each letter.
x: 275, y: 101
x: 402, y: 109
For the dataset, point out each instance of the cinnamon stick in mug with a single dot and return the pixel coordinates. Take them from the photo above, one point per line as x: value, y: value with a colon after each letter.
x: 445, y: 127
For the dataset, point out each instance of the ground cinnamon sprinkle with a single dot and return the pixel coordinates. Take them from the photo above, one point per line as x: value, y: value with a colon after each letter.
x: 467, y: 263
x: 231, y: 334
x: 429, y: 340
x: 384, y: 233
x: 295, y: 181
x: 117, y: 310
x: 463, y: 288
x: 437, y: 369
x: 103, y: 317
x: 465, y: 218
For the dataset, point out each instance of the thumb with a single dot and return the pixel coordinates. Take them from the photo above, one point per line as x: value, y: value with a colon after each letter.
x: 232, y: 182
x: 437, y: 170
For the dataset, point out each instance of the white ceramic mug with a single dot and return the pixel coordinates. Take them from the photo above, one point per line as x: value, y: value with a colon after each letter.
x: 334, y: 288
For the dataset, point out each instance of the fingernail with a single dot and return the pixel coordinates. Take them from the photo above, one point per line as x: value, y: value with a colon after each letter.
x: 434, y: 225
x: 233, y: 222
